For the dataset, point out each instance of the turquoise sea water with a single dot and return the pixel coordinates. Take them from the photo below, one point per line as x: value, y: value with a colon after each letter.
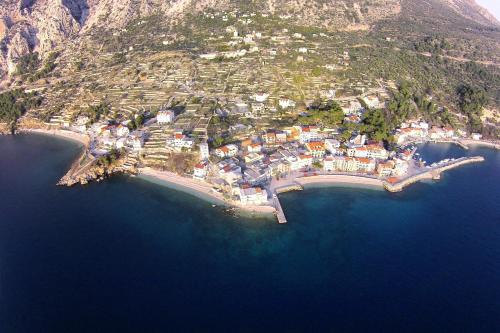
x: 126, y: 255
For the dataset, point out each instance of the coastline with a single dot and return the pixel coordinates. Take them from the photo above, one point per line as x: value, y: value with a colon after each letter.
x: 201, y: 190
x: 177, y: 182
x: 470, y: 142
x: 63, y: 134
x: 204, y: 190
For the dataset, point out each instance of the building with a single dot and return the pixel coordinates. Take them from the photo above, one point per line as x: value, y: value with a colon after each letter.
x: 316, y: 148
x: 252, y: 196
x: 230, y: 171
x: 285, y: 103
x: 351, y: 107
x: 305, y: 161
x: 308, y: 134
x: 365, y: 165
x: 254, y: 148
x: 121, y: 143
x: 329, y: 164
x: 339, y: 163
x: 253, y: 157
x: 165, y: 117
x: 372, y: 102
x: 357, y: 140
x: 204, y: 151
x: 260, y: 97
x: 401, y: 167
x: 281, y: 137
x: 476, y: 136
x: 122, y: 130
x: 137, y: 142
x: 258, y: 173
x: 179, y: 142
x: 333, y: 146
x: 227, y: 151
x: 369, y: 151
x: 385, y: 169
x: 200, y: 170
x: 405, y: 134
x: 269, y: 137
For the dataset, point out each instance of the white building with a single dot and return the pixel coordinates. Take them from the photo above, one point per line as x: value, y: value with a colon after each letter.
x: 351, y: 107
x: 253, y: 196
x: 200, y: 170
x: 226, y: 151
x: 308, y: 133
x: 370, y: 151
x: 254, y: 148
x: 121, y: 143
x: 179, y: 142
x: 165, y: 117
x: 122, y: 130
x: 204, y: 151
x: 261, y: 97
x: 332, y: 146
x: 208, y: 56
x: 372, y: 102
x: 286, y: 103
x: 316, y: 149
x: 476, y: 136
x: 357, y: 141
x: 137, y: 142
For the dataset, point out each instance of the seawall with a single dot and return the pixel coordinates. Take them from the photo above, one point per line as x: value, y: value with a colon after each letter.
x: 433, y: 173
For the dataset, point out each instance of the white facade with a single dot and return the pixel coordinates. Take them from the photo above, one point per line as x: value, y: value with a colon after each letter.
x: 165, y: 117
x: 204, y: 151
x: 200, y: 171
x: 122, y: 130
x: 286, y: 103
x: 332, y: 146
x: 308, y: 134
x: 253, y: 196
x: 261, y: 97
x: 226, y: 151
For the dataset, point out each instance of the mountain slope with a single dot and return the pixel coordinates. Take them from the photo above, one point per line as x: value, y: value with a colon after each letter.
x: 40, y: 25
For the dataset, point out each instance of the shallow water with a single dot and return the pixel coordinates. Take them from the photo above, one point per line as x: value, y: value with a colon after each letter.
x: 132, y: 256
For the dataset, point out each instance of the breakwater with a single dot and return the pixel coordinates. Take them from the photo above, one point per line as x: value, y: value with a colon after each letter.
x: 431, y: 173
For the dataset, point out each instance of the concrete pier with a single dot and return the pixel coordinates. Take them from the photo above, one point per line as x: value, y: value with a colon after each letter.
x: 280, y: 215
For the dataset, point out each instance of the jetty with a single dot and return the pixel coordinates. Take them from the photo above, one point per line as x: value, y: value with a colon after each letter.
x: 280, y: 215
x: 289, y: 188
x: 397, y: 185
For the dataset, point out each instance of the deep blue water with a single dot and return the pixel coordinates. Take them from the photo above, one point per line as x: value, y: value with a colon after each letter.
x: 126, y: 255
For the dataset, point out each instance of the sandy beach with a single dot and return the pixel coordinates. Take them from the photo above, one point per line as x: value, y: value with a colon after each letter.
x: 339, y: 179
x: 183, y: 183
x: 65, y: 134
x: 201, y: 189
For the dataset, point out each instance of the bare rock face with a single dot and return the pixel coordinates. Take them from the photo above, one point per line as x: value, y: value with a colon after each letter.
x: 18, y: 46
x: 55, y: 23
x: 4, y: 28
x: 41, y: 25
x: 29, y: 25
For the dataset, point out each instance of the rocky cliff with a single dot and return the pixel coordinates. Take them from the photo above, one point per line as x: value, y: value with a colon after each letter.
x: 41, y: 25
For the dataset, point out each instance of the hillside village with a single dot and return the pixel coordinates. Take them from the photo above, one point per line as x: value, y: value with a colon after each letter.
x: 241, y: 110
